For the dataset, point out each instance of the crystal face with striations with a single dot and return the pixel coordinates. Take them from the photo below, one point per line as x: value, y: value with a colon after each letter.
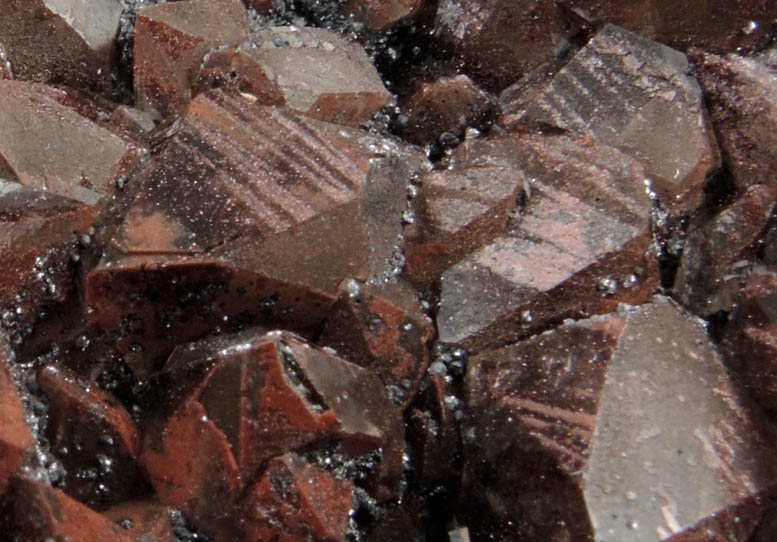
x: 256, y: 213
x: 388, y: 271
x: 585, y: 205
x: 640, y: 390
x: 618, y: 89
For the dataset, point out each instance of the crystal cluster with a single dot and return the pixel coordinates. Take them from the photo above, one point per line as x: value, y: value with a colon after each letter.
x: 379, y: 271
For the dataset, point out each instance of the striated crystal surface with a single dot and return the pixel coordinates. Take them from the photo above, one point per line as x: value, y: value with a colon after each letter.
x: 641, y: 390
x: 252, y: 214
x: 620, y: 89
x: 387, y: 271
x: 578, y: 246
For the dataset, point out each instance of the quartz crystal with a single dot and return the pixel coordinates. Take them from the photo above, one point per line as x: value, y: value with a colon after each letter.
x: 741, y: 97
x: 310, y: 70
x: 170, y: 42
x: 388, y: 271
x: 263, y: 214
x: 15, y: 440
x: 625, y: 427
x: 620, y: 88
x: 60, y: 41
x: 47, y: 142
x: 584, y: 223
x: 500, y: 40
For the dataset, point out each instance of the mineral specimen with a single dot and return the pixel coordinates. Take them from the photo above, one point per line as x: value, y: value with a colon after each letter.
x: 250, y: 214
x: 310, y: 70
x: 60, y: 41
x: 249, y: 399
x: 388, y: 271
x: 585, y: 225
x: 621, y: 88
x: 170, y: 42
x: 625, y: 427
x: 740, y: 93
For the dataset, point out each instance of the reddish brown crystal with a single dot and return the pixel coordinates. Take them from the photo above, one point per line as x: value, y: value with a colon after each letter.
x: 143, y: 520
x: 384, y: 329
x: 707, y: 280
x: 134, y: 120
x: 716, y: 25
x: 655, y: 92
x: 433, y: 432
x: 171, y: 40
x: 578, y: 246
x: 310, y: 70
x: 33, y: 511
x: 533, y: 412
x: 60, y: 41
x: 500, y: 40
x: 15, y: 439
x: 459, y: 211
x: 261, y: 6
x: 622, y: 427
x: 36, y: 249
x: 296, y: 501
x: 750, y: 339
x: 740, y: 93
x: 448, y: 104
x: 47, y: 142
x: 249, y: 398
x: 95, y: 438
x: 203, y: 479
x: 247, y: 214
x: 156, y: 302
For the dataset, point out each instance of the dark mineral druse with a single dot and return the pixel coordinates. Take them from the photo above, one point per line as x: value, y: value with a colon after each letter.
x: 388, y: 271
